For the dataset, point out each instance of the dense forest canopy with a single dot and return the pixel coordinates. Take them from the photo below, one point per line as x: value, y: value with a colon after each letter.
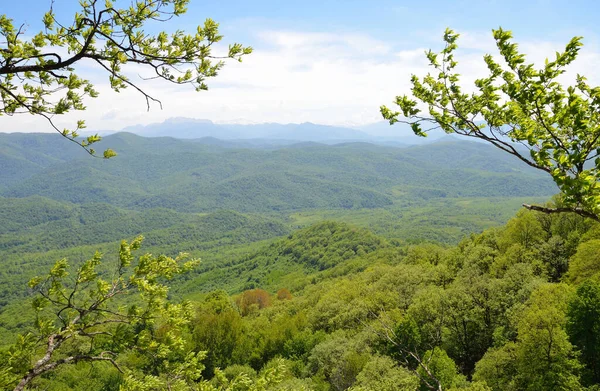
x: 493, y: 312
x: 330, y: 306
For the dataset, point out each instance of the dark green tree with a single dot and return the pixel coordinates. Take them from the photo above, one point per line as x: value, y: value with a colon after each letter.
x: 583, y: 327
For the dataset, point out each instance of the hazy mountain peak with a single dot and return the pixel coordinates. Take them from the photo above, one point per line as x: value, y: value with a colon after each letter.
x: 241, y: 129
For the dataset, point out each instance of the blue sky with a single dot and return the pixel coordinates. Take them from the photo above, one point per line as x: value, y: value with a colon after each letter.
x: 383, y: 19
x: 328, y: 61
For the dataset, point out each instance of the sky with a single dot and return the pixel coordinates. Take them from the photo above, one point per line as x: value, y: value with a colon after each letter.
x: 322, y: 61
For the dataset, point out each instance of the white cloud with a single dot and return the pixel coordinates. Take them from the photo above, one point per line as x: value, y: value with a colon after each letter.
x: 342, y: 44
x: 296, y: 77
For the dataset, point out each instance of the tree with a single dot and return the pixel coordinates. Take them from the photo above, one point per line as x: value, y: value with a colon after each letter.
x: 522, y: 110
x: 541, y: 358
x: 498, y: 368
x: 271, y: 376
x: 251, y: 300
x: 545, y: 358
x: 525, y: 230
x: 585, y: 263
x: 38, y: 76
x: 440, y: 369
x: 284, y: 294
x: 405, y: 344
x: 583, y: 327
x: 381, y: 373
x: 339, y: 358
x: 80, y: 320
x: 217, y: 329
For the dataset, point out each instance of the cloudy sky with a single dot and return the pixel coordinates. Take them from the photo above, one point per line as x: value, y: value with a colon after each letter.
x: 324, y: 61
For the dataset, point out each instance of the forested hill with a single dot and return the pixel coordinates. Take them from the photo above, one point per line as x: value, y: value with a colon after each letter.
x: 212, y: 197
x: 310, y: 255
x: 198, y: 176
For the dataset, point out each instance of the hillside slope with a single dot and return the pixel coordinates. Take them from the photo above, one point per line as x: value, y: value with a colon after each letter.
x: 194, y: 177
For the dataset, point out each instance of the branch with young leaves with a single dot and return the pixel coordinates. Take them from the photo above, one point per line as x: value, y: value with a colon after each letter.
x: 519, y: 109
x: 82, y: 311
x: 37, y: 76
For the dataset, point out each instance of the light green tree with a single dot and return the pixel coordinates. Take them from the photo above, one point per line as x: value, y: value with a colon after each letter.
x: 498, y: 368
x: 521, y: 109
x: 38, y: 75
x: 585, y: 264
x: 80, y: 319
x: 272, y: 375
x: 381, y: 373
x: 542, y: 358
x: 546, y: 358
x: 440, y: 370
x: 217, y: 329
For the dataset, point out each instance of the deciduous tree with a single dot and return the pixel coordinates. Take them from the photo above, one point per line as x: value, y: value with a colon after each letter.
x: 38, y: 75
x: 583, y: 327
x: 523, y: 110
x: 80, y: 320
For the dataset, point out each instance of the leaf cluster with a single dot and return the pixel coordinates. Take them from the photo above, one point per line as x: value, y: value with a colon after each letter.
x: 38, y: 75
x: 523, y: 110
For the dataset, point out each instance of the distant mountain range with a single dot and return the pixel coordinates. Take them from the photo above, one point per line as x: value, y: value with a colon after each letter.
x: 188, y: 128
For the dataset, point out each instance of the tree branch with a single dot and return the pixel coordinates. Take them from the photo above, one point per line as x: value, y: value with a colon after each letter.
x: 547, y: 210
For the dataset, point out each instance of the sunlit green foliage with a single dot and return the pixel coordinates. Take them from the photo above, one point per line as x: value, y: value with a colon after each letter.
x: 517, y: 105
x: 585, y: 263
x: 77, y: 319
x: 38, y: 74
x: 381, y: 373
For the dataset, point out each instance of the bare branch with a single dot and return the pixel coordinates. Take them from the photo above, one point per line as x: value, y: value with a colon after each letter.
x: 547, y: 210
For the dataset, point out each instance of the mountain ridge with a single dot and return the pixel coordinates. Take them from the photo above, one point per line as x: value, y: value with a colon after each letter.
x: 199, y: 176
x: 192, y: 128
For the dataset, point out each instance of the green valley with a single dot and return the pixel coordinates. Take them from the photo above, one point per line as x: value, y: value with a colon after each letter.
x: 198, y: 204
x: 310, y: 253
x: 183, y: 211
x: 215, y: 202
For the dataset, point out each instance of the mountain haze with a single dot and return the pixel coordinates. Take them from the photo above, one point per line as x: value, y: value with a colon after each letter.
x: 189, y: 128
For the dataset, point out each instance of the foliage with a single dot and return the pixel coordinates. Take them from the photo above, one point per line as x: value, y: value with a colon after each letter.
x: 327, y: 306
x: 585, y: 263
x: 382, y: 374
x: 33, y: 71
x: 340, y: 359
x: 583, y: 327
x: 271, y: 376
x: 80, y: 321
x: 284, y: 294
x: 386, y: 318
x: 440, y: 368
x: 546, y: 358
x: 542, y: 356
x: 252, y: 300
x: 217, y: 329
x: 498, y: 367
x: 517, y: 106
